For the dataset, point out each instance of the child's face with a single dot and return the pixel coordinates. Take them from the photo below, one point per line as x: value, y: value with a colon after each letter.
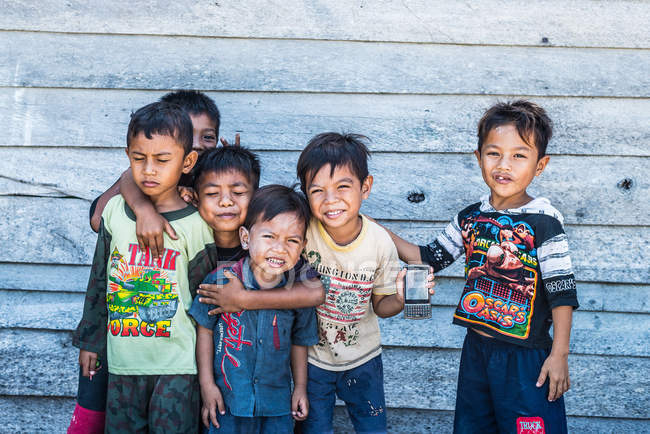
x: 223, y: 199
x: 157, y: 164
x: 275, y: 245
x: 335, y: 200
x: 508, y: 165
x: 205, y: 136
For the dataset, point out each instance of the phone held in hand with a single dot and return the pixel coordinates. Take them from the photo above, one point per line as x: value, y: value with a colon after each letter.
x: 416, y: 294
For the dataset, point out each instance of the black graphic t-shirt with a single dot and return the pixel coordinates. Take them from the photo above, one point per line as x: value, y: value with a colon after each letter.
x: 517, y: 267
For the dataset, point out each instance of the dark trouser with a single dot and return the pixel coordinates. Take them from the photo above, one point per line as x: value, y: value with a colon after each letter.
x: 362, y: 389
x: 152, y: 404
x: 497, y: 393
x: 229, y: 424
x: 91, y: 394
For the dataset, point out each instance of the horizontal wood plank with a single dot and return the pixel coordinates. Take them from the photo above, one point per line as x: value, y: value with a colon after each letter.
x: 69, y: 240
x: 603, y: 333
x: 577, y: 23
x: 414, y: 378
x: 31, y: 414
x: 272, y: 121
x: 106, y: 61
x: 44, y: 277
x: 449, y: 182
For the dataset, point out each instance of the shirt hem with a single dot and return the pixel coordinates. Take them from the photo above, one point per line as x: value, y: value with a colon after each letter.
x: 189, y: 371
x: 344, y: 366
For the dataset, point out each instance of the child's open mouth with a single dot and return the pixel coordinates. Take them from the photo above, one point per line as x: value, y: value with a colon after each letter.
x: 502, y: 179
x: 333, y: 214
x: 275, y: 262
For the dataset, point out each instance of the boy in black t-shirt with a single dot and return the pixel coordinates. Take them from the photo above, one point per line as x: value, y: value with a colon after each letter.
x: 519, y: 281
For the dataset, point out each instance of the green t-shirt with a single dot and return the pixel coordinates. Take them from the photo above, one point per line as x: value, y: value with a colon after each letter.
x: 138, y: 305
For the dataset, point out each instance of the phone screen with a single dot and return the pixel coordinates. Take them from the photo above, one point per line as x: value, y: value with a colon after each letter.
x: 416, y: 279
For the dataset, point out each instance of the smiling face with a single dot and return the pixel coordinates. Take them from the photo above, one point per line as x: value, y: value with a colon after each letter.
x: 508, y: 165
x: 335, y: 201
x: 223, y: 199
x: 274, y: 245
x: 157, y: 165
x: 204, y: 133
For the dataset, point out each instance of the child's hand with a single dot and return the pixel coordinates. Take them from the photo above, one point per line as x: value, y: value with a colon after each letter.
x: 228, y: 296
x: 299, y: 403
x: 149, y: 228
x: 212, y: 400
x: 399, y: 285
x: 88, y: 363
x: 556, y: 368
x: 431, y: 281
x: 224, y: 142
x: 188, y: 196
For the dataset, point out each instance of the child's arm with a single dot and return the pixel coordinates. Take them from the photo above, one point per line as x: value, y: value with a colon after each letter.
x: 102, y: 200
x: 233, y: 297
x: 299, y: 401
x: 149, y: 224
x: 390, y: 305
x: 210, y: 393
x: 556, y: 365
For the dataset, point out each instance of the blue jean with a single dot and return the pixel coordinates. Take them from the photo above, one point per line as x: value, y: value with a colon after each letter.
x: 229, y: 424
x: 362, y: 389
x: 497, y: 392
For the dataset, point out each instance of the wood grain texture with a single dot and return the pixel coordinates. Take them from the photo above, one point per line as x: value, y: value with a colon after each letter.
x: 273, y: 121
x: 106, y: 61
x: 578, y: 23
x: 414, y: 378
x: 588, y: 191
x: 602, y: 333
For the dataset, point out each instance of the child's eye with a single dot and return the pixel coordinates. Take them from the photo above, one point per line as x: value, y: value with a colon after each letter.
x: 294, y: 241
x: 267, y: 236
x: 209, y: 138
x: 492, y: 154
x: 343, y: 186
x: 163, y: 161
x: 315, y: 191
x: 239, y: 193
x: 520, y: 156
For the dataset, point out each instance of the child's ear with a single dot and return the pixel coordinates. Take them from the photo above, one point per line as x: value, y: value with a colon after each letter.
x: 366, y: 186
x: 478, y: 157
x: 244, y: 236
x: 541, y: 165
x: 189, y: 161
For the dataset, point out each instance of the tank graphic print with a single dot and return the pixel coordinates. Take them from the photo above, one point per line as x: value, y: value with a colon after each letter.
x: 142, y: 295
x: 500, y: 267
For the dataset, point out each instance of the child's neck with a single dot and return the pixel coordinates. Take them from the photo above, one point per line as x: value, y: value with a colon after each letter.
x: 347, y: 233
x: 264, y: 280
x: 168, y: 201
x: 501, y: 203
x: 226, y: 239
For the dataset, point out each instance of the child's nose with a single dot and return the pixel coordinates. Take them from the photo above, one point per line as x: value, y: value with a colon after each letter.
x: 226, y: 200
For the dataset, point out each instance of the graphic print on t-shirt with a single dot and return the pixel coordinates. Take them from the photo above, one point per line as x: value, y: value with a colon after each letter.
x: 501, y: 274
x: 142, y: 295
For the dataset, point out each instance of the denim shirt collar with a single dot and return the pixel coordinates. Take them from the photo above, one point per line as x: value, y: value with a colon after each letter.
x: 249, y: 278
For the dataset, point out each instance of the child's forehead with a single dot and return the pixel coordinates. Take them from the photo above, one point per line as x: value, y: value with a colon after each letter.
x: 224, y: 177
x: 341, y: 171
x: 155, y: 143
x: 202, y: 121
x: 508, y: 135
x: 288, y: 220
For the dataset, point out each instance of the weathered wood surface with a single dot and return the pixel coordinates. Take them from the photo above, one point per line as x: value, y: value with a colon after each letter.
x: 105, y: 61
x: 28, y: 414
x: 579, y: 23
x: 449, y: 182
x: 596, y: 297
x: 415, y: 378
x: 272, y: 121
x: 69, y: 240
x: 602, y: 333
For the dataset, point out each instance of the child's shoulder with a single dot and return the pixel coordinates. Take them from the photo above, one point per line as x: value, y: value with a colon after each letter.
x: 218, y: 274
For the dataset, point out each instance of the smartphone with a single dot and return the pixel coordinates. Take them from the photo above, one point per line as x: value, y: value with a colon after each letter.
x: 416, y: 294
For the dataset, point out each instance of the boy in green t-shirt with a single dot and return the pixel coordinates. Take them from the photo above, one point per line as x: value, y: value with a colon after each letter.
x: 144, y: 299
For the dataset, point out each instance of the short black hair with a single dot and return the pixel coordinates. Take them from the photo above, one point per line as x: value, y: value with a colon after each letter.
x: 336, y: 150
x: 529, y: 118
x: 164, y: 119
x: 274, y: 199
x: 195, y: 103
x: 225, y: 158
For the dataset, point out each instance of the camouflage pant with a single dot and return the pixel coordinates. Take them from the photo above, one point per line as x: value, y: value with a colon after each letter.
x: 152, y: 404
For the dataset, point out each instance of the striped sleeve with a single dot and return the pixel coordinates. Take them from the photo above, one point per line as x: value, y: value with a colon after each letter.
x: 445, y: 249
x: 557, y: 272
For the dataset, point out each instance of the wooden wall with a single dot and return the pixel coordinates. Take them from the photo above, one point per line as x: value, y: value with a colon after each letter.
x: 415, y: 76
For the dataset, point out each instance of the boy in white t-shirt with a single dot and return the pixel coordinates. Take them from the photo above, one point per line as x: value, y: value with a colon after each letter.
x: 359, y: 266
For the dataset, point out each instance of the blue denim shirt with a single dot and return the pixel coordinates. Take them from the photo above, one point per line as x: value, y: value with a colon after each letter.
x: 252, y: 365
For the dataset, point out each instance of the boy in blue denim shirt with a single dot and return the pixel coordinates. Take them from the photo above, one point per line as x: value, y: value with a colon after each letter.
x: 244, y: 357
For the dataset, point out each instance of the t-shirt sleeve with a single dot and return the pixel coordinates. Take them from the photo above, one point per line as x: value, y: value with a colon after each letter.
x: 445, y: 249
x: 387, y: 269
x: 90, y: 334
x: 202, y: 252
x: 305, y: 327
x: 556, y: 269
x: 199, y: 311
